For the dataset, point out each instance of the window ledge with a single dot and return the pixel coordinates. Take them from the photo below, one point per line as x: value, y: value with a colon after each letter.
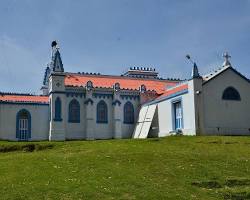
x: 57, y: 120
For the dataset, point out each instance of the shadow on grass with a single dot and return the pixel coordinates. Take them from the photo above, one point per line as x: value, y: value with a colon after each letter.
x: 211, y: 184
x: 217, y: 142
x: 230, y: 195
x: 237, y: 182
x: 231, y: 189
x: 24, y: 147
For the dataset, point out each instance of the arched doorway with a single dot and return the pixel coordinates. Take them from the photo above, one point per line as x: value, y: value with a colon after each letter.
x: 23, y: 125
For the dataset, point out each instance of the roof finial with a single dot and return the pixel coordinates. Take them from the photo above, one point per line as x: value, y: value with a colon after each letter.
x: 53, y: 43
x: 227, y: 57
x: 195, y: 71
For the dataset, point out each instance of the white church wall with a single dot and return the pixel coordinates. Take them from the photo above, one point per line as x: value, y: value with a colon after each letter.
x: 103, y: 130
x: 39, y: 121
x: 75, y: 130
x: 226, y: 117
x: 127, y: 129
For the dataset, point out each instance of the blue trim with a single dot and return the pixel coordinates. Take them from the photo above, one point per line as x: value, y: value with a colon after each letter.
x: 102, y: 117
x: 173, y: 102
x: 24, y: 103
x: 56, y: 74
x: 17, y: 123
x: 75, y: 94
x: 167, y: 97
x: 74, y: 115
x: 131, y: 97
x: 88, y: 101
x: 57, y: 92
x: 68, y: 94
x: 102, y: 95
x: 116, y: 102
x: 20, y: 94
x: 128, y: 117
x: 58, y: 110
x: 46, y: 76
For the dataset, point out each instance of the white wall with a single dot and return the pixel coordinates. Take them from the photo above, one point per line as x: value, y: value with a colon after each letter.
x: 223, y: 117
x: 166, y: 113
x: 100, y: 130
x: 103, y: 130
x: 75, y: 130
x: 39, y: 121
x: 128, y: 129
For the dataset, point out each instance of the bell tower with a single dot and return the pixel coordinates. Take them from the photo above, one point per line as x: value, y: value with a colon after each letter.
x: 55, y: 65
x: 56, y: 91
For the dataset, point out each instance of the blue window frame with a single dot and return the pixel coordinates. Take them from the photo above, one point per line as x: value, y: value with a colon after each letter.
x: 74, y: 111
x: 58, y: 109
x: 230, y: 93
x: 178, y: 115
x: 128, y: 113
x: 23, y: 125
x: 102, y: 112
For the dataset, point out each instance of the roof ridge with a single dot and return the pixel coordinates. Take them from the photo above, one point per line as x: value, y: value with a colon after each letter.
x: 208, y: 78
x: 177, y: 85
x: 124, y: 77
x: 215, y: 71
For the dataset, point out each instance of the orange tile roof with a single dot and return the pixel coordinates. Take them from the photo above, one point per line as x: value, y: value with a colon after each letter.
x: 23, y: 98
x: 125, y: 82
x: 174, y: 90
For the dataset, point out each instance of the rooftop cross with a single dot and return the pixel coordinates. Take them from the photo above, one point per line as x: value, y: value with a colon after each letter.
x: 226, y: 56
x: 226, y: 62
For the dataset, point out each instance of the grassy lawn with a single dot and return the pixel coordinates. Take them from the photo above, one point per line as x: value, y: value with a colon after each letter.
x: 167, y: 168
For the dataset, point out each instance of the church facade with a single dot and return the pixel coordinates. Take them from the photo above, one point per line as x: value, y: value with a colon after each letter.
x: 137, y: 104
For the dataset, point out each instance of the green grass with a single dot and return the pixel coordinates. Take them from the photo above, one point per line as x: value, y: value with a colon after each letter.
x: 167, y: 168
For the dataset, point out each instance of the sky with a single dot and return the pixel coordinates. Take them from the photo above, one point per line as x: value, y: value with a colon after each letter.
x: 109, y: 36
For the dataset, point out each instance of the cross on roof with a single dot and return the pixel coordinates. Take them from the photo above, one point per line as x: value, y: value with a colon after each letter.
x: 226, y: 56
x: 226, y: 62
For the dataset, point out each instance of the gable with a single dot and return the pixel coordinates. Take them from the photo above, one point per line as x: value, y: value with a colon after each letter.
x: 219, y: 74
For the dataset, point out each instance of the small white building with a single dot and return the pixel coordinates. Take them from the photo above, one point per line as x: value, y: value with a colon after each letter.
x: 214, y: 104
x: 136, y: 104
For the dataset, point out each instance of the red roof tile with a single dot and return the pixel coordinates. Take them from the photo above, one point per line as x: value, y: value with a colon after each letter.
x: 125, y: 82
x: 23, y: 98
x: 173, y: 90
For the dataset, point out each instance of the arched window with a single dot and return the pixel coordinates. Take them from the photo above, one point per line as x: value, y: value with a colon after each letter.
x: 74, y: 111
x: 58, y: 109
x: 102, y: 112
x: 128, y: 113
x: 231, y: 93
x: 23, y: 125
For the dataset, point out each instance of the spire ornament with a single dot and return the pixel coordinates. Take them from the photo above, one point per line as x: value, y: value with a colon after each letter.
x: 195, y: 71
x: 56, y: 64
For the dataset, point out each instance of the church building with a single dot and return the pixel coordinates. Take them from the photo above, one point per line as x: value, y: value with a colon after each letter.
x: 136, y: 104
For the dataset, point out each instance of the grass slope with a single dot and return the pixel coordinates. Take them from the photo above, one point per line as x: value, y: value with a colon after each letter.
x: 169, y: 168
